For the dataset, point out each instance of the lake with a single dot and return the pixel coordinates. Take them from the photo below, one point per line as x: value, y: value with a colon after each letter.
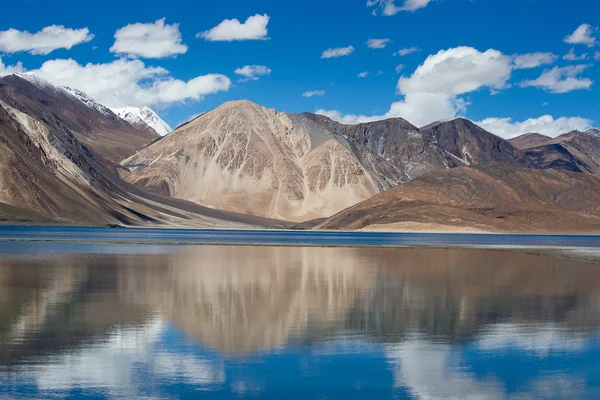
x: 122, y: 320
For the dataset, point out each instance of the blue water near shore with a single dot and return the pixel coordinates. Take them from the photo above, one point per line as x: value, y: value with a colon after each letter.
x: 101, y: 320
x: 287, y: 237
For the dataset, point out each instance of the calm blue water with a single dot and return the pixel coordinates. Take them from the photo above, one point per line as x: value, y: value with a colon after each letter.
x: 100, y: 320
x: 192, y: 236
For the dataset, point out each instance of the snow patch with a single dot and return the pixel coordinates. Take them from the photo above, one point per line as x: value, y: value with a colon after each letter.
x: 143, y: 115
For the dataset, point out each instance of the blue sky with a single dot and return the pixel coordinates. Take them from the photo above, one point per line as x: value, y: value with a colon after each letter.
x: 476, y: 74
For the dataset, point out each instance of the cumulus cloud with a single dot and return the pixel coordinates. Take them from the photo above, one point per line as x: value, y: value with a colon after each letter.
x: 561, y: 80
x: 432, y: 91
x: 583, y: 35
x: 533, y: 60
x: 43, y: 42
x: 363, y: 74
x: 252, y: 72
x: 457, y: 71
x: 10, y: 69
x: 312, y: 93
x: 546, y: 125
x: 378, y: 43
x: 337, y: 52
x: 571, y: 56
x: 130, y: 82
x: 406, y: 51
x: 255, y: 28
x: 152, y: 40
x: 389, y: 7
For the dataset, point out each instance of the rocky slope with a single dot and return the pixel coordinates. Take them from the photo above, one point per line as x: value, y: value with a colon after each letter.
x: 529, y: 140
x: 94, y: 125
x: 573, y: 151
x: 491, y: 197
x: 466, y: 143
x: 247, y: 158
x: 45, y: 168
x: 143, y: 118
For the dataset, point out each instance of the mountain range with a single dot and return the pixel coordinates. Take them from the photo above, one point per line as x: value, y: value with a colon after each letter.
x: 65, y: 157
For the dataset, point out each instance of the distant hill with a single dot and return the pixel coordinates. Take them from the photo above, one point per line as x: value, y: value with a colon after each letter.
x: 490, y: 197
x: 529, y: 140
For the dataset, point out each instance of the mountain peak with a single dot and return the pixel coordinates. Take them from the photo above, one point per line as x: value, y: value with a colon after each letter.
x: 143, y: 118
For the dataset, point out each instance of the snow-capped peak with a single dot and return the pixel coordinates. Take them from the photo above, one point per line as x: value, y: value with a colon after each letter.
x: 137, y: 116
x: 46, y: 85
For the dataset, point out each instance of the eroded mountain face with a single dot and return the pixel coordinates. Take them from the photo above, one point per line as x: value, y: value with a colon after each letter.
x: 45, y: 168
x: 246, y: 158
x: 94, y: 125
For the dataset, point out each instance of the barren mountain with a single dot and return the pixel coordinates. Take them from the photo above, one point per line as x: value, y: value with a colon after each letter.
x: 466, y: 143
x: 247, y: 158
x: 94, y: 125
x: 46, y: 169
x: 573, y: 151
x: 529, y: 140
x: 491, y: 197
x: 443, y: 144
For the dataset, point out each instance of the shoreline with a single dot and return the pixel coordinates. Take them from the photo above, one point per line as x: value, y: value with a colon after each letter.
x: 578, y: 253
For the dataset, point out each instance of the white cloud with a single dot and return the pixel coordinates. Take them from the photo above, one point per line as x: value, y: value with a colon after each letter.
x: 252, y: 72
x: 337, y: 52
x: 583, y: 35
x: 363, y: 74
x: 571, y: 56
x: 431, y: 92
x: 389, y: 7
x: 399, y: 68
x: 152, y: 40
x: 406, y: 51
x: 546, y: 125
x: 597, y: 56
x: 312, y: 93
x: 561, y: 80
x: 255, y: 28
x: 43, y: 42
x: 533, y: 60
x: 10, y: 69
x: 457, y: 71
x: 378, y: 43
x: 130, y: 82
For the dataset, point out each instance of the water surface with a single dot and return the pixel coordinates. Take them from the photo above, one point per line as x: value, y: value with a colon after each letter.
x: 154, y: 321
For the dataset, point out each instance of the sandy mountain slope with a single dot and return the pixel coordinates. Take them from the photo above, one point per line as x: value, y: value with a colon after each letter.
x: 46, y: 169
x: 491, y: 197
x: 573, y: 151
x: 143, y: 118
x: 246, y: 158
x: 94, y: 125
x: 529, y: 140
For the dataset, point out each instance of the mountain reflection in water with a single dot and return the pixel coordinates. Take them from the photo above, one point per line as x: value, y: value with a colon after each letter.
x: 305, y: 322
